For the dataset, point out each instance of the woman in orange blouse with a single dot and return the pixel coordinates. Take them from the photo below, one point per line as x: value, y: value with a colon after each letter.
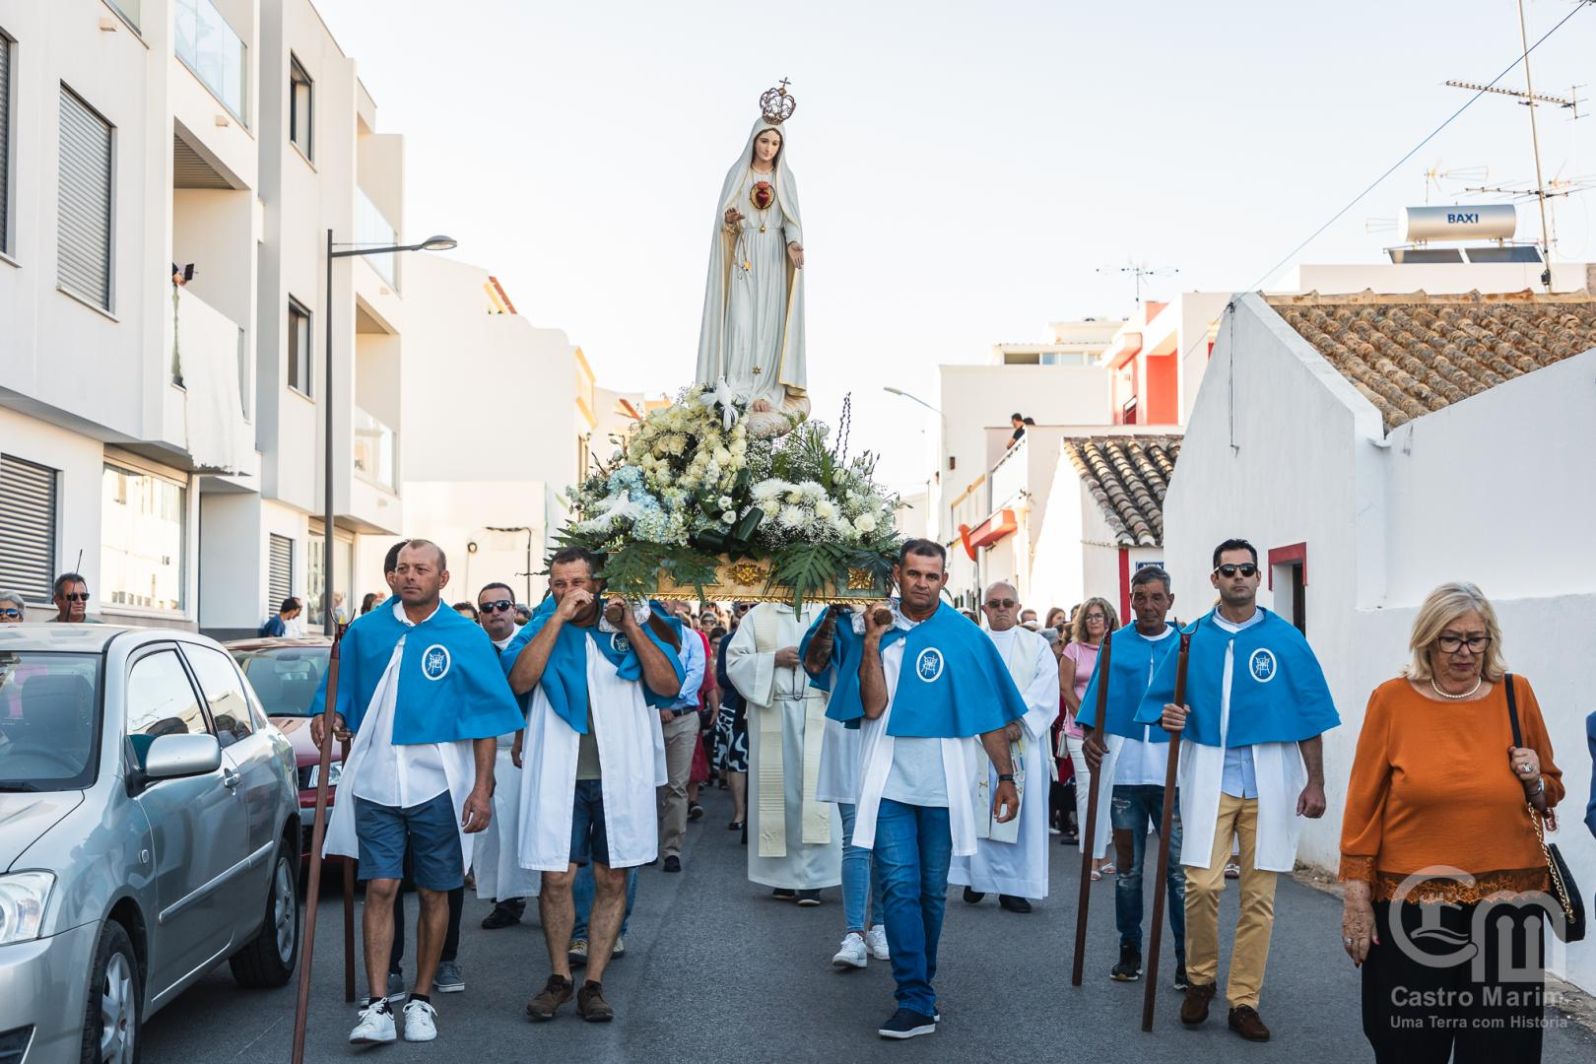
x: 1438, y: 852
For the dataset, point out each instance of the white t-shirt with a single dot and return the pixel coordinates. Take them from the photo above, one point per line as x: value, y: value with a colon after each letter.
x: 400, y: 776
x: 917, y: 776
x: 1241, y: 776
x: 1141, y: 762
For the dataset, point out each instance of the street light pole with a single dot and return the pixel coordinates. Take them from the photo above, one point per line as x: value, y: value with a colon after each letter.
x: 335, y: 251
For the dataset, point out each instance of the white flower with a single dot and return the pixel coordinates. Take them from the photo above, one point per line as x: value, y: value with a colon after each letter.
x: 723, y: 456
x: 865, y: 523
x: 724, y: 502
x: 769, y: 490
x: 825, y: 509
x: 729, y: 517
x: 812, y: 491
x: 793, y: 517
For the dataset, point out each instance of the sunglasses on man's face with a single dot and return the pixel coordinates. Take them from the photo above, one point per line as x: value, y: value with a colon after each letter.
x: 496, y: 606
x: 1245, y: 569
x: 1001, y: 604
x: 76, y: 596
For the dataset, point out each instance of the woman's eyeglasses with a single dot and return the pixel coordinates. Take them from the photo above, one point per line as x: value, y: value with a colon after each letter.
x: 1228, y: 571
x: 496, y: 606
x: 1451, y: 644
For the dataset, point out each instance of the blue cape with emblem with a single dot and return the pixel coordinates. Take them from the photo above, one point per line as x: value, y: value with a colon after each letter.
x: 450, y: 683
x: 1132, y: 667
x: 953, y: 685
x: 564, y: 680
x: 1278, y: 694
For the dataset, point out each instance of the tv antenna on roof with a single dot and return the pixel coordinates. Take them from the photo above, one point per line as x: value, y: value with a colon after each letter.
x: 1139, y: 270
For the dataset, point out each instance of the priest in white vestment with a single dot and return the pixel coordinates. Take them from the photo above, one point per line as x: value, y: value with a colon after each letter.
x: 1011, y: 859
x: 795, y: 838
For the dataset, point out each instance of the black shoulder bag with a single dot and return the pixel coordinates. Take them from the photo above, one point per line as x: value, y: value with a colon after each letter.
x: 1572, y: 927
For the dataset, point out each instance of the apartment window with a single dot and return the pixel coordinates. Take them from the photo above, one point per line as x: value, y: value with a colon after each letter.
x: 279, y: 570
x: 27, y: 527
x: 5, y: 143
x: 301, y: 97
x: 144, y: 519
x: 83, y: 244
x: 298, y: 347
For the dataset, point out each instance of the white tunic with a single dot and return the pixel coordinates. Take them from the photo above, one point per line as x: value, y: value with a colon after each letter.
x: 796, y: 836
x: 402, y: 773
x: 1018, y: 868
x: 875, y: 765
x: 499, y: 873
x: 1281, y: 778
x: 631, y: 750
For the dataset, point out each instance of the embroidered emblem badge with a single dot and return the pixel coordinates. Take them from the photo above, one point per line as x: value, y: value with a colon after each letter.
x: 435, y: 662
x: 1262, y: 665
x: 620, y: 644
x: 928, y: 666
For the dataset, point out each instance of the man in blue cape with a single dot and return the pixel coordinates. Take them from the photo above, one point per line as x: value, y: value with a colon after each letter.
x: 1256, y: 706
x: 1133, y: 759
x: 597, y: 673
x: 917, y: 680
x: 421, y: 691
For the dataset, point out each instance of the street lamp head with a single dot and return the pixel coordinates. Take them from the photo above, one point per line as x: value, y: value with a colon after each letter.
x: 438, y: 243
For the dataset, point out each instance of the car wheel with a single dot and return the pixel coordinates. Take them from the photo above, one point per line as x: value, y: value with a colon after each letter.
x: 269, y: 958
x: 111, y: 1012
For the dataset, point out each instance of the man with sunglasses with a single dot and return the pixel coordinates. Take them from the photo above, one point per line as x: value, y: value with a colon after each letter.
x: 500, y: 877
x: 1256, y: 707
x: 71, y: 599
x: 1011, y: 859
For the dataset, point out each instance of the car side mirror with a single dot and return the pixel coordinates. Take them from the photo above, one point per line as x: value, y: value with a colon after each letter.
x: 173, y: 756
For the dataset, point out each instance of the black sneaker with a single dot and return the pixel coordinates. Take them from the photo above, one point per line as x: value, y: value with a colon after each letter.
x: 1129, y: 968
x: 973, y: 896
x: 695, y: 812
x: 906, y: 1023
x: 501, y: 916
x: 673, y: 863
x: 1181, y: 982
x: 808, y: 898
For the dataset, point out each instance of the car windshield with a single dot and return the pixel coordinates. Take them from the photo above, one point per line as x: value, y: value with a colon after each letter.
x: 49, y: 720
x: 285, y: 678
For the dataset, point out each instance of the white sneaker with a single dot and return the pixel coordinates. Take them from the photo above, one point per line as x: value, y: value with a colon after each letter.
x: 375, y: 1026
x: 852, y: 954
x: 876, y: 939
x: 419, y: 1021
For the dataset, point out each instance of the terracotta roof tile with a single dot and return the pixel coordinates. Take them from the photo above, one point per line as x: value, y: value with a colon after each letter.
x: 1413, y: 354
x: 1128, y: 476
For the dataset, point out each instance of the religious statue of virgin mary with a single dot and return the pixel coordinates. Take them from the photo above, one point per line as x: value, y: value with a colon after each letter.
x: 751, y: 340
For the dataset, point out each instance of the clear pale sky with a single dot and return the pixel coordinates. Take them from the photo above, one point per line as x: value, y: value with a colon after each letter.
x: 964, y: 169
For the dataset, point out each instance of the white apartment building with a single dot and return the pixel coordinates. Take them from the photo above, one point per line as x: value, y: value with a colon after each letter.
x: 499, y: 415
x: 169, y: 436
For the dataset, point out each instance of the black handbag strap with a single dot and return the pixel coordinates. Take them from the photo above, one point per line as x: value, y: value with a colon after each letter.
x: 1512, y: 710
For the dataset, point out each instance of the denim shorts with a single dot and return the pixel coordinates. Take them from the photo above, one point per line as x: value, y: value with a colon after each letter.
x: 428, y: 830
x: 589, y: 842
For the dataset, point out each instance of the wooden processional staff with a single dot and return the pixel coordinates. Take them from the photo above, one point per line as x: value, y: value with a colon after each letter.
x: 313, y: 886
x: 1156, y: 933
x: 1089, y: 829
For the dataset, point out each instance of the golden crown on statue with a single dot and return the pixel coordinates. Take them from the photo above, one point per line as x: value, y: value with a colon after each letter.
x: 777, y: 104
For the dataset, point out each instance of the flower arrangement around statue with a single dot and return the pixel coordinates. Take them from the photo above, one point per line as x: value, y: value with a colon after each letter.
x: 693, y: 505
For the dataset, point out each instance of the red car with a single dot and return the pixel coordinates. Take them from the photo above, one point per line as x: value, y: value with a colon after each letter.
x: 285, y: 674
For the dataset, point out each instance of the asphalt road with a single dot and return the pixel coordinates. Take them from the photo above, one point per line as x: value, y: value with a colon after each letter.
x: 716, y: 970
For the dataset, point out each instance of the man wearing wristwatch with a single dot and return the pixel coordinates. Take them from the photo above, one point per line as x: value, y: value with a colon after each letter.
x: 919, y: 682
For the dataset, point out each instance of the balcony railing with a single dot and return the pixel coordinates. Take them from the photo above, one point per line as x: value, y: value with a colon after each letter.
x: 373, y: 229
x: 1009, y: 476
x: 129, y: 9
x: 208, y: 46
x: 375, y: 447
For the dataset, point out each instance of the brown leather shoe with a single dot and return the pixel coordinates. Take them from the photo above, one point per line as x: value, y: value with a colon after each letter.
x: 1245, y: 1021
x: 1194, y: 1009
x: 556, y: 992
x: 590, y: 1003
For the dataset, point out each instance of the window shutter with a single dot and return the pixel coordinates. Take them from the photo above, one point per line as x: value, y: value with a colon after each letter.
x: 5, y: 140
x: 83, y: 249
x: 279, y: 571
x: 27, y: 528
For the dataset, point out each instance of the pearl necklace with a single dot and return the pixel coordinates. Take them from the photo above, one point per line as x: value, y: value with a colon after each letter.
x: 1478, y: 682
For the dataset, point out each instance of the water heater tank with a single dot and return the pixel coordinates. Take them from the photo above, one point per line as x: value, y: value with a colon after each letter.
x: 1491, y: 221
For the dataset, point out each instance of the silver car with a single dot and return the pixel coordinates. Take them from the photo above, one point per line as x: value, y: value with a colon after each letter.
x: 149, y: 829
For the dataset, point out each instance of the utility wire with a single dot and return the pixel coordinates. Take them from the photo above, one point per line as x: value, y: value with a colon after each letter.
x: 1256, y: 285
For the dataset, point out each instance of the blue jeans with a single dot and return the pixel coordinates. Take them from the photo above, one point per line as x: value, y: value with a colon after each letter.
x: 913, y: 848
x: 1133, y: 808
x: 582, y: 891
x: 861, y: 885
